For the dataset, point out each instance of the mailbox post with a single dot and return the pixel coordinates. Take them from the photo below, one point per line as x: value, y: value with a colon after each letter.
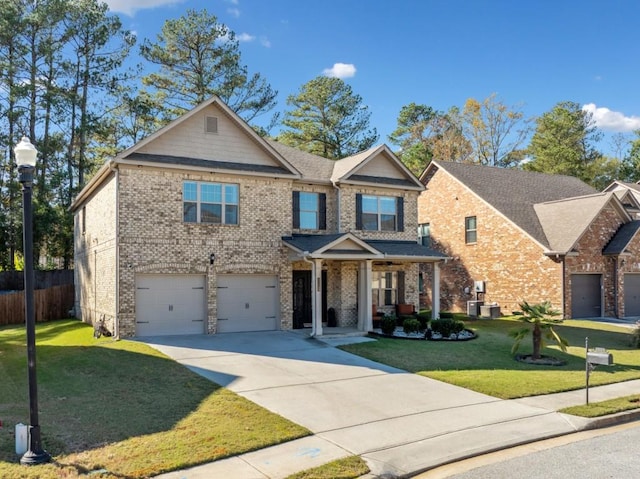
x: 592, y: 358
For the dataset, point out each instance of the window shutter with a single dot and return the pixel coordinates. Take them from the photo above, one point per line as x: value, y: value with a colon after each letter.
x: 358, y: 211
x: 401, y: 287
x: 400, y: 212
x: 296, y: 209
x: 322, y: 211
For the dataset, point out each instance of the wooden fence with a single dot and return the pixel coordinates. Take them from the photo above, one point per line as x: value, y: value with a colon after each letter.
x: 51, y: 303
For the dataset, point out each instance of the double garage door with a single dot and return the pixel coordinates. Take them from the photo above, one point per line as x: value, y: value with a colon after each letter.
x: 586, y: 295
x: 171, y: 304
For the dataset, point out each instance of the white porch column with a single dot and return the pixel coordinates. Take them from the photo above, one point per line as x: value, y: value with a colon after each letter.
x: 316, y: 297
x: 435, y: 291
x: 365, y: 321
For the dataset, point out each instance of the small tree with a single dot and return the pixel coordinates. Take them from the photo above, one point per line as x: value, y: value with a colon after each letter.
x: 541, y: 317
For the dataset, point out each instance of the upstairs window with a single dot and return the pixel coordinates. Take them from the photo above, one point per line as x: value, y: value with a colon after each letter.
x: 424, y: 234
x: 379, y: 213
x: 215, y: 203
x: 470, y: 229
x: 309, y: 210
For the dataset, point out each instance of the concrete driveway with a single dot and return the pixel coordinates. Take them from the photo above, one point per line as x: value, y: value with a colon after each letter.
x: 400, y: 423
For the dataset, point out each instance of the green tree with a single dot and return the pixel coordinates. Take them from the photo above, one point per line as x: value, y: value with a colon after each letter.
x: 541, y: 317
x: 327, y: 119
x: 198, y: 58
x: 630, y: 168
x: 564, y: 143
x: 424, y: 134
x: 496, y: 131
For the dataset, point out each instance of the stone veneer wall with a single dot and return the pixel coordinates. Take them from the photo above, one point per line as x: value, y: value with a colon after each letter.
x: 95, y: 256
x: 510, y: 262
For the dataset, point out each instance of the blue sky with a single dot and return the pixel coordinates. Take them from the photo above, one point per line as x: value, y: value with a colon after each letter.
x: 532, y: 54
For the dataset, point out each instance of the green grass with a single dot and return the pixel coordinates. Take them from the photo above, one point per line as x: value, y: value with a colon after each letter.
x: 348, y: 468
x: 486, y: 365
x: 605, y: 408
x: 121, y: 406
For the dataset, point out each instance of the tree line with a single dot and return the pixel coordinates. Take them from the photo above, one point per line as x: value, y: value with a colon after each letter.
x: 65, y: 83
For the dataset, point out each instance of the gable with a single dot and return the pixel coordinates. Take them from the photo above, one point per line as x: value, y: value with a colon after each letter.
x: 229, y: 143
x: 380, y: 166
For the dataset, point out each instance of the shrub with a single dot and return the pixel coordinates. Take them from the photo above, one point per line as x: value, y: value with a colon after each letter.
x: 424, y: 317
x: 388, y: 324
x: 447, y: 326
x: 411, y: 325
x: 446, y: 315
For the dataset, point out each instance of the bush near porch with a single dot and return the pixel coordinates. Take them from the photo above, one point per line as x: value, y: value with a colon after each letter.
x: 486, y: 364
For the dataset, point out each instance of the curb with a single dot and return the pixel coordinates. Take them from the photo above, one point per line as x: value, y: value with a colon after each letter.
x: 613, y: 419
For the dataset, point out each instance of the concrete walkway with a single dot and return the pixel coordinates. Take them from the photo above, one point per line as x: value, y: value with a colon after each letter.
x: 399, y: 423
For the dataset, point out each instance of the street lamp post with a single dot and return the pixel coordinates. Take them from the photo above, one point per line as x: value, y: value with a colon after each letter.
x: 26, y: 159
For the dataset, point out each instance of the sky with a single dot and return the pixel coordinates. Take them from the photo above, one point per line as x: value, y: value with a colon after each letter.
x: 532, y: 54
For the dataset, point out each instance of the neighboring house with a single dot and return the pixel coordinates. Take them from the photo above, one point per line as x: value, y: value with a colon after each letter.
x: 205, y: 227
x: 515, y: 235
x: 629, y: 195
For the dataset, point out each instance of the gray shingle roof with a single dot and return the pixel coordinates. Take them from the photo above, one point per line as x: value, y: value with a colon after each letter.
x: 513, y: 192
x: 312, y: 167
x: 409, y: 249
x: 622, y: 238
x: 198, y: 162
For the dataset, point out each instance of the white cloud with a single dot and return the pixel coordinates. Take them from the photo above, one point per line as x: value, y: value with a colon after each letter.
x: 234, y: 12
x: 245, y: 37
x: 606, y: 119
x: 265, y: 42
x: 340, y: 70
x: 129, y: 7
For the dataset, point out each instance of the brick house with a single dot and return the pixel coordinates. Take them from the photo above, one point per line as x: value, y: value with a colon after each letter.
x: 514, y: 235
x: 205, y: 227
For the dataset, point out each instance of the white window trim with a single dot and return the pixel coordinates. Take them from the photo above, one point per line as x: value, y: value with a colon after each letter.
x: 379, y: 213
x: 222, y: 204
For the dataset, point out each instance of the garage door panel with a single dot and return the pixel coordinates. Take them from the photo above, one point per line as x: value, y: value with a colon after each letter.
x: 632, y: 294
x: 247, y: 303
x: 170, y: 304
x: 586, y: 296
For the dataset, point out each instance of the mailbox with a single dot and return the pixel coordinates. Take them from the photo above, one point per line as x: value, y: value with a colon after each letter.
x: 599, y: 357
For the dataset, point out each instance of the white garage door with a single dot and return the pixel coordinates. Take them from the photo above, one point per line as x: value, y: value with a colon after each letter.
x: 170, y: 304
x: 247, y: 302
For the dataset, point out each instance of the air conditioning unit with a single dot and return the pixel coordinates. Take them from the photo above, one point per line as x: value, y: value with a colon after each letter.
x: 478, y: 286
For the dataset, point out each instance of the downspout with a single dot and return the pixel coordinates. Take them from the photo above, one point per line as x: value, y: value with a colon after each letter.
x: 305, y: 257
x: 116, y: 321
x: 615, y: 287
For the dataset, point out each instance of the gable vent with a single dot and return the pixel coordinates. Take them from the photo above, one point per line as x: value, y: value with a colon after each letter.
x: 211, y: 124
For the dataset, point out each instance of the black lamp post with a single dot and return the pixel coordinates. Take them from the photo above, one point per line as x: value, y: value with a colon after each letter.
x: 26, y: 159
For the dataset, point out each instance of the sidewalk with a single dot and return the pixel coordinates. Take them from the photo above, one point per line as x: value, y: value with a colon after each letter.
x: 431, y: 423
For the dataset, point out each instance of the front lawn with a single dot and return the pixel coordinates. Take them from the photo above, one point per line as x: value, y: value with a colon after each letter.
x: 122, y: 408
x: 486, y: 364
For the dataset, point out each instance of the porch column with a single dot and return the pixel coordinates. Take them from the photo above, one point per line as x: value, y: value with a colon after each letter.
x: 316, y: 297
x: 365, y: 321
x: 435, y: 292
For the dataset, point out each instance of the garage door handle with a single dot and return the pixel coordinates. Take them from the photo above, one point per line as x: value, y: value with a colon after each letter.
x: 269, y: 286
x: 198, y: 287
x: 142, y: 322
x: 223, y: 319
x: 142, y: 288
x: 197, y: 320
x: 270, y: 317
x: 223, y: 287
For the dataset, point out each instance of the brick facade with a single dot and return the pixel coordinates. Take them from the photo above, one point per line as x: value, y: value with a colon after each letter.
x: 134, y: 225
x: 512, y: 264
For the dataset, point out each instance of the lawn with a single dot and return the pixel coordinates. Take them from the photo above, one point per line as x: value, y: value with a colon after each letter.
x: 122, y: 408
x: 486, y: 364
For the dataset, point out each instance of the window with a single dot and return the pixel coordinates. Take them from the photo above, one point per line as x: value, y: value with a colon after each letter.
x: 379, y: 213
x: 210, y: 203
x: 470, y: 229
x: 424, y: 234
x: 384, y: 286
x: 309, y: 210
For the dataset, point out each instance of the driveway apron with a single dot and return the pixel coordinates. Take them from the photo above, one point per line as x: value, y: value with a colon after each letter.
x: 399, y: 422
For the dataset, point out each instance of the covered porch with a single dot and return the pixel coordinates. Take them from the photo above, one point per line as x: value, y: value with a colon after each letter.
x: 338, y: 278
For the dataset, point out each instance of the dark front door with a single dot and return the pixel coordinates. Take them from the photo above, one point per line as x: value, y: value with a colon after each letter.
x: 302, y: 303
x: 301, y: 298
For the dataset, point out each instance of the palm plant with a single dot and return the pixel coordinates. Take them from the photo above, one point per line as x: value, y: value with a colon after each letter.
x: 541, y: 317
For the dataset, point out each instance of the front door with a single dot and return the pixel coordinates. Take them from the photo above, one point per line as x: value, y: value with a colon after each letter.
x: 302, y: 304
x: 301, y: 298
